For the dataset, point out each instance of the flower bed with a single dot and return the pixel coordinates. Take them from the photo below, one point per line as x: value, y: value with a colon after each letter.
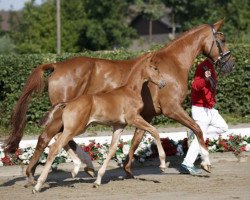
x: 147, y: 149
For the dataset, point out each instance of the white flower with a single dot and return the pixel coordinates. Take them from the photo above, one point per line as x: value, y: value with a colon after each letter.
x: 1, y: 154
x: 125, y: 149
x: 46, y: 150
x: 179, y: 150
x: 212, y: 148
x: 149, y: 152
x: 247, y: 147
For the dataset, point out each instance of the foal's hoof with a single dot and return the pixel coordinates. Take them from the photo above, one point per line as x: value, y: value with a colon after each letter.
x: 90, y: 171
x: 205, y: 167
x: 163, y: 169
x: 96, y: 185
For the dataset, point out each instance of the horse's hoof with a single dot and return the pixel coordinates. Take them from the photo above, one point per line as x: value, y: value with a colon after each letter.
x: 34, y: 191
x: 96, y: 185
x: 206, y: 168
x: 129, y: 176
x: 90, y: 171
x: 33, y: 183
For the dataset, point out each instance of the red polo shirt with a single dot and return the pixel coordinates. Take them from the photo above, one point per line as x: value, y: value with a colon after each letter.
x: 201, y: 93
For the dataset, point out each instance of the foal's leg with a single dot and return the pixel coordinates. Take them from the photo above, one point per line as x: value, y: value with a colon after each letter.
x: 137, y: 138
x: 42, y: 143
x: 112, y: 149
x: 177, y: 113
x: 54, y: 150
x: 140, y: 123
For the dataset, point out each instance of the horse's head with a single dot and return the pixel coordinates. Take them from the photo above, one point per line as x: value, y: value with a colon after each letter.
x: 216, y: 49
x: 152, y: 73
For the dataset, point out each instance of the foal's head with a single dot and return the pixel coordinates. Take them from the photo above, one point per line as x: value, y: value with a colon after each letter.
x: 152, y: 73
x: 216, y: 49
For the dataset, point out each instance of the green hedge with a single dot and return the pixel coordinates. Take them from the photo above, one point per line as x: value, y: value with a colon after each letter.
x: 233, y: 90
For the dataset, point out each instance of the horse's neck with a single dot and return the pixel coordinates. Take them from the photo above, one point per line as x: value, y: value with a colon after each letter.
x: 192, y: 48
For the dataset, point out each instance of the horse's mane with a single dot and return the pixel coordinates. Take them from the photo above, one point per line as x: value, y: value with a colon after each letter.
x: 184, y: 35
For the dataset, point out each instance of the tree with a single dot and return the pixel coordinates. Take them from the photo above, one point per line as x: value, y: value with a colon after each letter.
x: 191, y: 13
x: 151, y: 10
x: 88, y: 24
x: 105, y: 26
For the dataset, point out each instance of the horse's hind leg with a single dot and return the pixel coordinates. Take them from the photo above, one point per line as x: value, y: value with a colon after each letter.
x: 50, y: 131
x: 137, y: 138
x: 54, y: 150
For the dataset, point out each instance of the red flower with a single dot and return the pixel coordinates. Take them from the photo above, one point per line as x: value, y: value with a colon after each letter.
x: 98, y: 145
x: 6, y: 160
x: 18, y: 152
x: 86, y: 148
x: 243, y: 148
x: 120, y: 145
x: 207, y: 142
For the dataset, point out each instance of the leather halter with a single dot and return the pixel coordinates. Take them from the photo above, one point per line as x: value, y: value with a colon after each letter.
x: 222, y: 55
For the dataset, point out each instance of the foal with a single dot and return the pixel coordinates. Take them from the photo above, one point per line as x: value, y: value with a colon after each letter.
x: 117, y: 108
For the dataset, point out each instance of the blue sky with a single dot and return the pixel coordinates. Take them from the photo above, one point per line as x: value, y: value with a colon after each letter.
x: 14, y: 4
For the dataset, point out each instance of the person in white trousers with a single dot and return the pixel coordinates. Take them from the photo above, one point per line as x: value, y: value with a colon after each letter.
x: 203, y: 112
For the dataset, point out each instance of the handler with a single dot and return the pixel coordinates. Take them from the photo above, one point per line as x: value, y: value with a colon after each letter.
x: 203, y: 112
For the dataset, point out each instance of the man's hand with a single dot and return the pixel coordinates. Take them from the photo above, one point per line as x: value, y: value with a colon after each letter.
x: 207, y: 74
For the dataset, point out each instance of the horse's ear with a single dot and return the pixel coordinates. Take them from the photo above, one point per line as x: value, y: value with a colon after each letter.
x: 219, y: 24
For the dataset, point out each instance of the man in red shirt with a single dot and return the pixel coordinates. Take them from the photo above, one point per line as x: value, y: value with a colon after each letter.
x: 208, y: 118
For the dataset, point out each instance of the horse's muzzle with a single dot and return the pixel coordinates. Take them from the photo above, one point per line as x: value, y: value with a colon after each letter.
x: 228, y: 66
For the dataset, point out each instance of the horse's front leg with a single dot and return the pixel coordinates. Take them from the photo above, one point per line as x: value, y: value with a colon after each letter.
x: 137, y: 138
x: 177, y: 113
x: 112, y: 149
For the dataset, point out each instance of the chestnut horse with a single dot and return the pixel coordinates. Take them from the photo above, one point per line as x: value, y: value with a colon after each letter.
x: 81, y: 75
x: 117, y: 108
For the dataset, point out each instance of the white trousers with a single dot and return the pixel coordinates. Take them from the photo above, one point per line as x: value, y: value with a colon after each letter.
x: 210, y: 121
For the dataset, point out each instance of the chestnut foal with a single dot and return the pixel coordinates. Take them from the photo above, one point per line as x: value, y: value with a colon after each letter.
x: 116, y: 108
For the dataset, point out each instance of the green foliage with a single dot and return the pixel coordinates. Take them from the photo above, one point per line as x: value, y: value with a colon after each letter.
x: 236, y: 13
x: 6, y: 45
x: 233, y: 96
x: 89, y: 24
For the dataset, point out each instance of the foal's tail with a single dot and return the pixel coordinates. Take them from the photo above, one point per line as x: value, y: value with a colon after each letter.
x: 34, y: 83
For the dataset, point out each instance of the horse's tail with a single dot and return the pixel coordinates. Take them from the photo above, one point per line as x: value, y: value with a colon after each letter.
x: 52, y: 114
x: 34, y: 83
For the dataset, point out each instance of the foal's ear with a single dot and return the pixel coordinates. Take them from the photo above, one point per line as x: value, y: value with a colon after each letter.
x: 219, y: 24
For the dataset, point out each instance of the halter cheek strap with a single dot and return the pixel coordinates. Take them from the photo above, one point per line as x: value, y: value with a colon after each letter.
x: 221, y: 54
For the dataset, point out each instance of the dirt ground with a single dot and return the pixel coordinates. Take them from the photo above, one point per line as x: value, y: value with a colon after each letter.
x: 229, y: 180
